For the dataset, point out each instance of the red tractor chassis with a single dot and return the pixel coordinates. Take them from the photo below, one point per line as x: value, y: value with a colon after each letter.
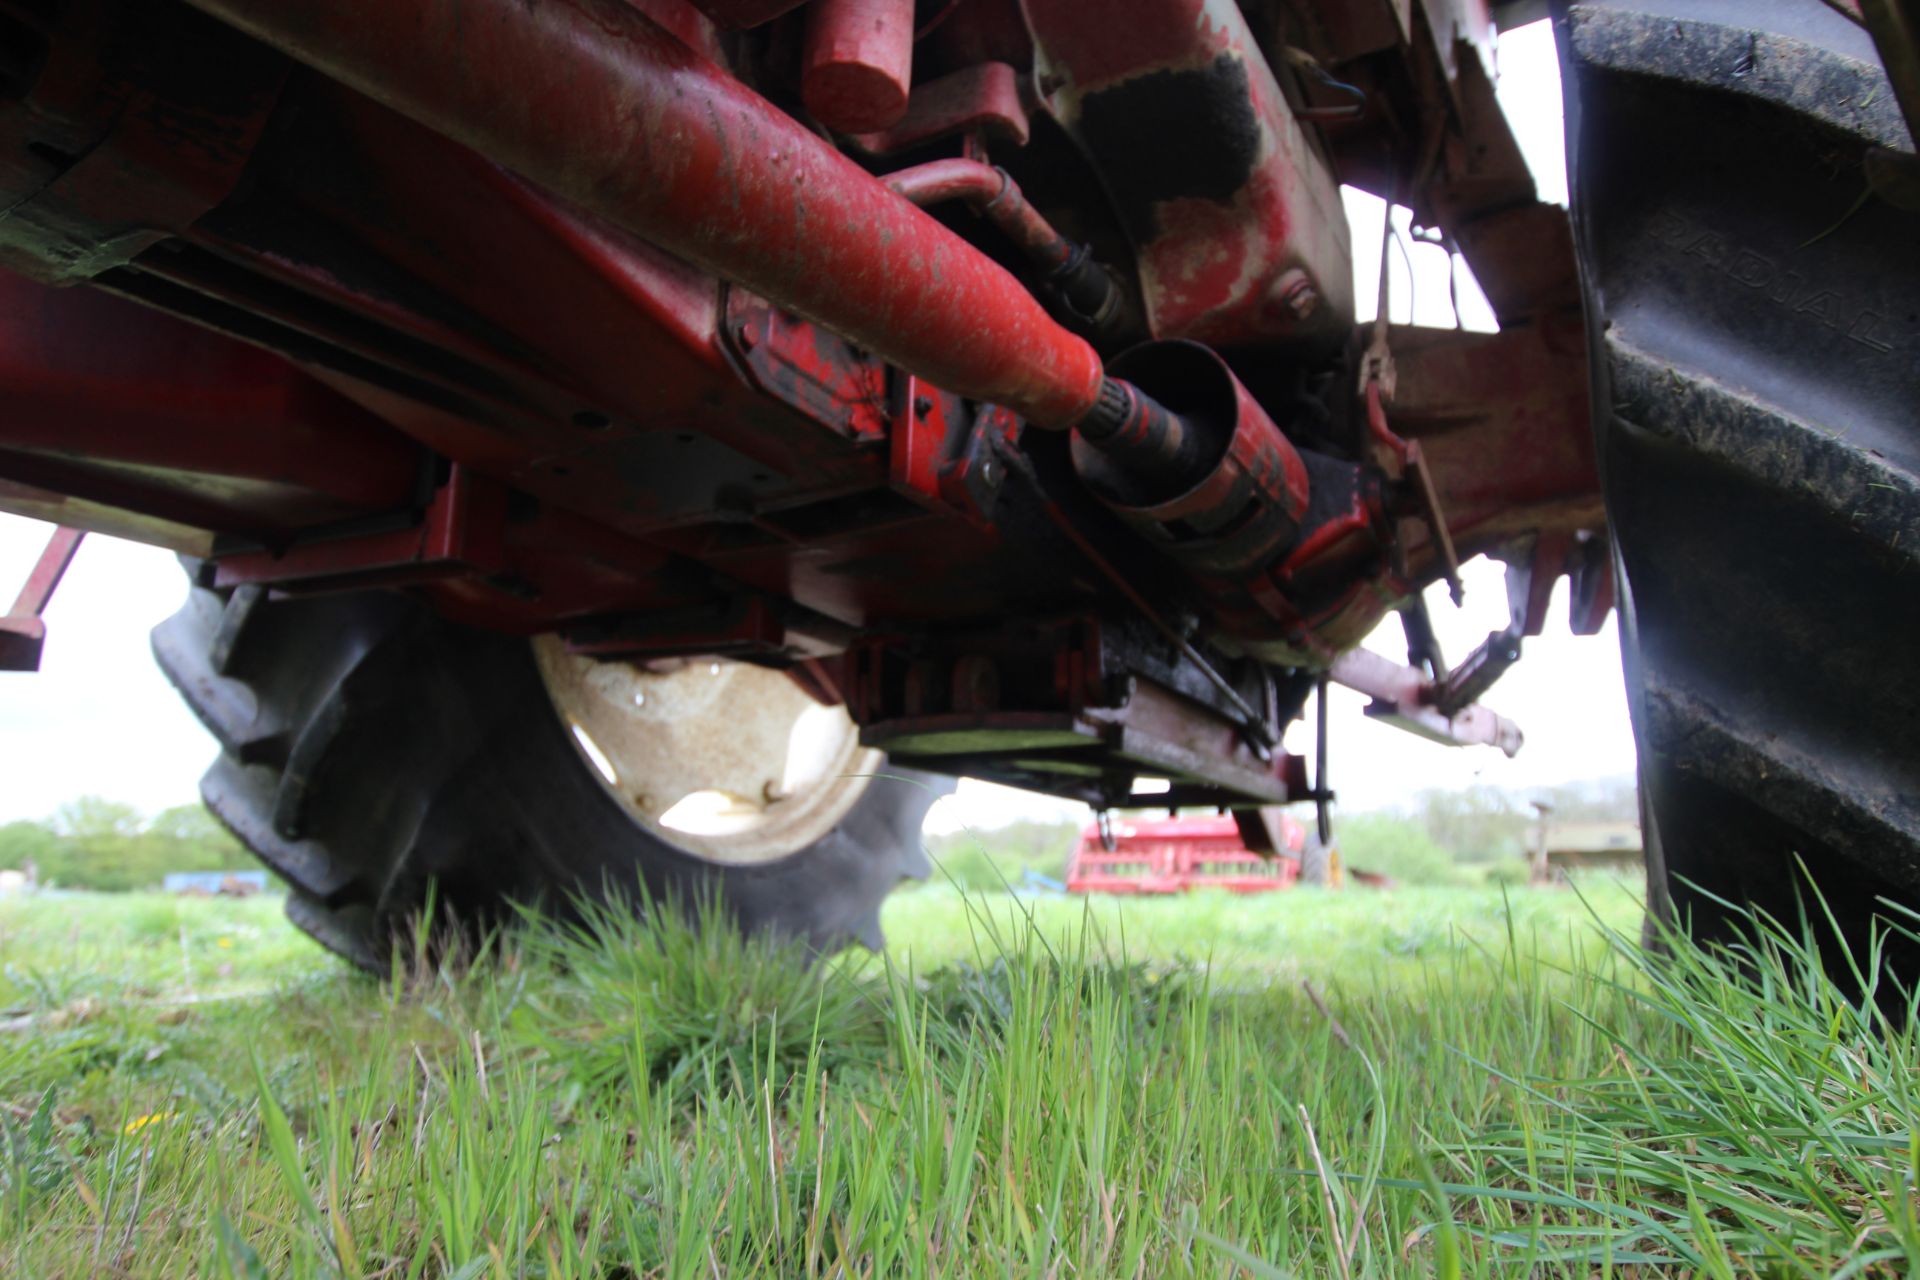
x: 1025, y: 415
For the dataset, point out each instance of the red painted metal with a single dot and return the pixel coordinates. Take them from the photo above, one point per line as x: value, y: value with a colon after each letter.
x: 133, y: 408
x: 613, y: 112
x: 749, y: 626
x: 1174, y: 855
x: 1226, y: 258
x: 1516, y: 397
x: 1061, y: 704
x: 1239, y: 507
x: 47, y: 572
x: 508, y: 378
x: 532, y: 341
x: 697, y: 28
x: 923, y: 464
x: 983, y: 98
x: 552, y: 315
x: 1498, y: 424
x: 22, y: 632
x: 460, y: 534
x: 819, y: 374
x: 562, y: 567
x: 1528, y: 592
x: 856, y: 67
x: 99, y: 164
x: 1069, y: 279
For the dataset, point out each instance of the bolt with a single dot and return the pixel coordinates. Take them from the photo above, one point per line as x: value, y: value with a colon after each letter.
x: 922, y: 405
x: 1294, y: 293
x: 746, y: 335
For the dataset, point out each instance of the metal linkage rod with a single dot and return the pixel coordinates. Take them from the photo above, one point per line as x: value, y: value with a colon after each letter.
x: 22, y: 633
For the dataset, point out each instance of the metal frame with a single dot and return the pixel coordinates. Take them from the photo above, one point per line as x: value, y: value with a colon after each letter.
x: 635, y: 355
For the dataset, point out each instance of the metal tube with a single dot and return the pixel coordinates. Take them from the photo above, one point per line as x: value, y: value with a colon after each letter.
x: 1140, y: 436
x: 1403, y: 697
x: 992, y: 194
x: 1069, y: 276
x: 858, y: 63
x: 597, y: 103
x: 47, y: 572
x: 22, y: 633
x: 1322, y: 795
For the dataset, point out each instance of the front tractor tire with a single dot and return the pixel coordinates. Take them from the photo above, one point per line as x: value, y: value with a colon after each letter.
x: 370, y: 749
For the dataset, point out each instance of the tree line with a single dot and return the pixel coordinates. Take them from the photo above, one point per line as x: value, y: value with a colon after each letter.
x: 1435, y: 837
x: 94, y: 843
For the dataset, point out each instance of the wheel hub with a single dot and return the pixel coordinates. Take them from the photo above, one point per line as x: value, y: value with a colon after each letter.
x: 727, y: 761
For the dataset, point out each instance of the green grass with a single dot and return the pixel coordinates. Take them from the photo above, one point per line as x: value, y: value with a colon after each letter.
x: 1473, y: 1086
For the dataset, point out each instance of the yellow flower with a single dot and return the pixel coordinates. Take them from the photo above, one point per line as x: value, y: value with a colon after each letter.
x: 153, y: 1117
x: 223, y: 942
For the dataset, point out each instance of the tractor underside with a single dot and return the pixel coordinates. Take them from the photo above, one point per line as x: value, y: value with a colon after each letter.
x: 1011, y: 396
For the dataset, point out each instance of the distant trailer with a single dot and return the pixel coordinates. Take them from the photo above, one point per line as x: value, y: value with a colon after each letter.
x: 1581, y: 845
x: 1173, y: 855
x: 230, y: 884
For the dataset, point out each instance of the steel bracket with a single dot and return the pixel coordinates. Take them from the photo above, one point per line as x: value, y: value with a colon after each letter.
x: 460, y: 535
x: 1405, y: 698
x: 22, y: 632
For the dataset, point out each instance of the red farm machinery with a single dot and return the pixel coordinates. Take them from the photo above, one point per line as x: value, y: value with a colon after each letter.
x: 1173, y: 855
x: 1133, y: 856
x: 657, y: 439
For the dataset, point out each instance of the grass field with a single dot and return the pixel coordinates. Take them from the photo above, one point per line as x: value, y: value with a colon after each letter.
x: 1473, y: 1085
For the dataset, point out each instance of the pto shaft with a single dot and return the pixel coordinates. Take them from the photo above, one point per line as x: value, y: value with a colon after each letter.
x: 599, y: 104
x: 596, y: 102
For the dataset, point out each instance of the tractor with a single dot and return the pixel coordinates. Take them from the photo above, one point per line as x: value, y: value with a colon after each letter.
x: 623, y: 443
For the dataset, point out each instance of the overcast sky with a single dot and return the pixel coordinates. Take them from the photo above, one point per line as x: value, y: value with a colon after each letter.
x: 99, y: 719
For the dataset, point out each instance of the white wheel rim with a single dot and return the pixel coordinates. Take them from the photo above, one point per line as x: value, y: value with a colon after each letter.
x: 728, y: 761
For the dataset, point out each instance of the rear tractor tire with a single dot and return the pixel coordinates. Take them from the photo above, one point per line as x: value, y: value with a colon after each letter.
x: 371, y: 749
x: 1752, y: 300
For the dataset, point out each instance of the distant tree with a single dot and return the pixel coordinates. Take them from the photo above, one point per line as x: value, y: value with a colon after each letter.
x: 993, y: 857
x: 187, y: 823
x: 105, y: 862
x: 197, y: 841
x: 23, y: 842
x: 1395, y: 846
x: 93, y: 843
x: 1615, y: 799
x: 93, y: 817
x: 973, y: 868
x: 1474, y: 824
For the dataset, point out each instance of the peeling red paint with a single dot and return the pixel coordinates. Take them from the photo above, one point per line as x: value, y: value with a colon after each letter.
x: 1208, y: 270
